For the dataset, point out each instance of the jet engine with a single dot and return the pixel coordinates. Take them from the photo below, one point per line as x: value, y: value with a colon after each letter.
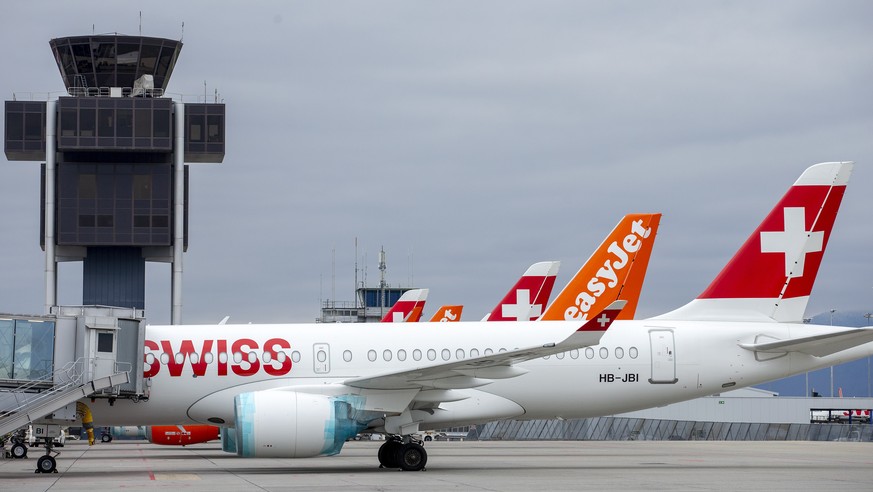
x: 289, y: 424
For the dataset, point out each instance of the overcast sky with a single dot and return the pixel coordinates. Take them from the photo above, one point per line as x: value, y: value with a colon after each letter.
x: 473, y: 138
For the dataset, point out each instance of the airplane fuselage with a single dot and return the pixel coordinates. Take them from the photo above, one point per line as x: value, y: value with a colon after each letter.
x: 195, y: 371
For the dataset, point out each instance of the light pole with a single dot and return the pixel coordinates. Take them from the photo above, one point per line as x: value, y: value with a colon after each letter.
x: 869, y: 391
x: 807, y: 320
x: 832, y: 367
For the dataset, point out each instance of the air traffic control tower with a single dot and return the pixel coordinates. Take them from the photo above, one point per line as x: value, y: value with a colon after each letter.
x: 114, y: 183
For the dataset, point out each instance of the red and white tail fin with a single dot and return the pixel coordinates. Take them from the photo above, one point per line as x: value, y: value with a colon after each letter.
x: 771, y: 276
x: 615, y: 270
x: 448, y: 314
x: 408, y: 308
x: 527, y: 299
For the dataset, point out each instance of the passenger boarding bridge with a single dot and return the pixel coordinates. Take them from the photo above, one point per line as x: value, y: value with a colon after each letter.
x: 48, y: 363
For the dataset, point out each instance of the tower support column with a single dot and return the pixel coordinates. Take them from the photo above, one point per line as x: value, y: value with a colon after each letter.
x: 51, y: 264
x: 178, y: 213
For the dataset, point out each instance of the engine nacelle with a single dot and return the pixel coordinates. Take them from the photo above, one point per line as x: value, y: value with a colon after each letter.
x: 288, y: 424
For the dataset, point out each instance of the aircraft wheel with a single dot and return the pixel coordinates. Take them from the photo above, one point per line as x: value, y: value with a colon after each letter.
x: 411, y: 457
x: 428, y: 438
x: 19, y: 450
x: 46, y: 464
x: 106, y: 438
x: 388, y: 454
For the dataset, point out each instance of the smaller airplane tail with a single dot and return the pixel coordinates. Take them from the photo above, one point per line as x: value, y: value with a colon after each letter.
x: 615, y: 270
x: 527, y: 299
x: 408, y: 308
x: 771, y: 276
x: 448, y: 314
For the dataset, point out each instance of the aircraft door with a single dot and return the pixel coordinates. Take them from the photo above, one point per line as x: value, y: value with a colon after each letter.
x: 103, y: 348
x: 663, y: 357
x: 321, y: 358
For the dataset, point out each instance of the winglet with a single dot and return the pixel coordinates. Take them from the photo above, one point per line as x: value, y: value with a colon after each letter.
x: 616, y: 269
x: 408, y: 308
x: 603, y: 320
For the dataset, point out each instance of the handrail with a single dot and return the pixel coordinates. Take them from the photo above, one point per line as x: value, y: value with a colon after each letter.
x: 68, y: 376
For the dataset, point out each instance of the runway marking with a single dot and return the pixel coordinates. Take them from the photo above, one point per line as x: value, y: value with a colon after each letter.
x: 176, y: 476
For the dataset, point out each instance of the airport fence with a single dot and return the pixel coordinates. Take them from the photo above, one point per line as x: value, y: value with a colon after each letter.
x: 630, y: 429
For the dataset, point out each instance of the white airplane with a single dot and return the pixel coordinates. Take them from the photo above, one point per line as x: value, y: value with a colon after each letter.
x: 298, y: 391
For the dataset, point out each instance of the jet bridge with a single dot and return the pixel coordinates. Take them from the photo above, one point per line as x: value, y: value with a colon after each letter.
x: 49, y: 362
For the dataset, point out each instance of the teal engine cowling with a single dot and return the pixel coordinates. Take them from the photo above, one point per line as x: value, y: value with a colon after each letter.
x: 289, y: 424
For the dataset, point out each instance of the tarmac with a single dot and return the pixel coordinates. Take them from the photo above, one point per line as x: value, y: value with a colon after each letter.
x: 469, y: 465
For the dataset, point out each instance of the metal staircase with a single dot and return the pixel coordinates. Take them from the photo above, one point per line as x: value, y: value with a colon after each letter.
x: 38, y: 398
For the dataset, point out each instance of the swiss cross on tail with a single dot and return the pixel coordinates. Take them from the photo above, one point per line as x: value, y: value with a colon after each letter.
x: 527, y: 299
x: 771, y: 276
x: 408, y: 308
x: 781, y: 258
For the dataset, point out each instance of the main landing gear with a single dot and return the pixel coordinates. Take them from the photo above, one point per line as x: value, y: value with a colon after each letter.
x: 402, y: 452
x: 46, y: 463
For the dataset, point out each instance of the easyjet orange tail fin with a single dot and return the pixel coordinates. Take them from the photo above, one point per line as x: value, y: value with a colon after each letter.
x: 448, y: 313
x: 615, y: 271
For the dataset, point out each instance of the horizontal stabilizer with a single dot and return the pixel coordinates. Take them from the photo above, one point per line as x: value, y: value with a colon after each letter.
x: 816, y: 345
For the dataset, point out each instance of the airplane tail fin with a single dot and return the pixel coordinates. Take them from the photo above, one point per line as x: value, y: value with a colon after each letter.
x: 615, y: 270
x: 771, y: 276
x: 448, y: 314
x: 408, y: 308
x: 527, y: 299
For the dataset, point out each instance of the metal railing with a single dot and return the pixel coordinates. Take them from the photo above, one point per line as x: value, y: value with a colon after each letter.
x: 71, y: 375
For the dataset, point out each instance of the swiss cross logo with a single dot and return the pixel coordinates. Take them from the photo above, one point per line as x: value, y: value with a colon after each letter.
x: 794, y: 242
x: 604, y: 320
x: 523, y: 309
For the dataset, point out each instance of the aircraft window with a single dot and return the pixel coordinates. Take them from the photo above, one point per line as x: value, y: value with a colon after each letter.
x: 488, y: 351
x: 237, y: 357
x: 431, y: 354
x: 619, y: 352
x: 252, y: 357
x: 574, y: 354
x: 386, y: 355
x: 447, y: 354
x: 474, y: 352
x: 165, y: 358
x: 222, y: 357
x: 180, y: 358
x: 546, y: 357
x: 416, y: 354
x: 632, y: 352
x: 347, y: 356
x: 281, y: 356
x: 459, y: 354
x: 371, y: 356
x: 268, y: 357
x: 604, y: 352
x: 208, y: 357
x: 149, y: 359
x: 295, y: 357
x: 401, y: 355
x: 321, y: 356
x: 195, y: 357
x: 502, y: 350
x: 560, y: 356
x: 589, y: 353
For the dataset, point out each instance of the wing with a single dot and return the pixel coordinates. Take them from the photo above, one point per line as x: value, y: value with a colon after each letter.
x: 479, y: 371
